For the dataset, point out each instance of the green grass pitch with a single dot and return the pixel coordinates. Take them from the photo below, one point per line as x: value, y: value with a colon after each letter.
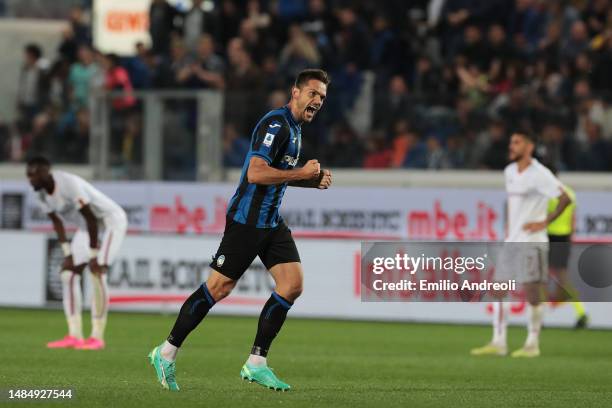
x: 328, y: 363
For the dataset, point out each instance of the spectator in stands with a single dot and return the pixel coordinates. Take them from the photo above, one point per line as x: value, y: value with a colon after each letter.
x: 162, y: 23
x: 474, y: 48
x: 75, y: 139
x: 229, y: 22
x: 69, y: 46
x: 498, y: 49
x: 206, y: 71
x: 140, y: 72
x: 596, y: 154
x: 427, y: 80
x: 595, y: 16
x: 377, y: 152
x: 344, y: 139
x: 196, y: 22
x: 495, y: 154
x: 392, y: 105
x: 31, y: 89
x: 235, y: 147
x: 80, y: 28
x: 118, y: 80
x: 577, y: 42
x: 437, y: 156
x: 299, y: 53
x: 244, y: 85
x: 80, y: 78
x: 526, y: 23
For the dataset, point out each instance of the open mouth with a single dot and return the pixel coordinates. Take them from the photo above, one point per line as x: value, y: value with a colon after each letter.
x: 312, y: 109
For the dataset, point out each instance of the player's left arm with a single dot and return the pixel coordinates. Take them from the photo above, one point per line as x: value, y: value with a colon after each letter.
x: 323, y: 181
x: 550, y: 186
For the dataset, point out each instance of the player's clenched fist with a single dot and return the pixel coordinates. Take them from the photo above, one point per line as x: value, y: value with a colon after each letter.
x: 326, y: 179
x: 311, y: 169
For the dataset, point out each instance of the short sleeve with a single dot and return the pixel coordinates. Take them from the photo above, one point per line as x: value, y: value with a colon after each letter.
x: 547, y: 184
x: 76, y: 193
x: 270, y: 137
x: 44, y: 206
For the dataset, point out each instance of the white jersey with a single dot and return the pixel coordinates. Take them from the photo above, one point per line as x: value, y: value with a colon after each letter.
x: 528, y: 195
x: 71, y: 193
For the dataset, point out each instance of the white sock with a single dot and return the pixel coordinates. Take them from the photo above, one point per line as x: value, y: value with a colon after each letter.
x: 534, y: 325
x: 169, y: 351
x: 257, y: 361
x: 99, y: 306
x: 72, y: 301
x: 500, y: 323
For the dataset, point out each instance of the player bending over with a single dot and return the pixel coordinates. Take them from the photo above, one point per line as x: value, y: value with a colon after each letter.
x: 254, y: 228
x: 63, y: 196
x: 524, y: 256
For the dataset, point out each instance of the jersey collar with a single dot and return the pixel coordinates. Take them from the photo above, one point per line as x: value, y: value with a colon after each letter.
x: 289, y: 115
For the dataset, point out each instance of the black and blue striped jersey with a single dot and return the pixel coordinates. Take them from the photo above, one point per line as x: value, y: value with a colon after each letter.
x: 277, y: 139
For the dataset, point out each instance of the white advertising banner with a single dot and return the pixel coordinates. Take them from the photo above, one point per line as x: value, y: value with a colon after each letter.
x: 119, y: 24
x: 22, y: 262
x: 342, y: 212
x: 157, y: 272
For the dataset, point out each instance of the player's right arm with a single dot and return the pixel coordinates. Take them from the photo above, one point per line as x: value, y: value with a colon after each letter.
x: 260, y: 172
x: 271, y: 138
x: 58, y: 226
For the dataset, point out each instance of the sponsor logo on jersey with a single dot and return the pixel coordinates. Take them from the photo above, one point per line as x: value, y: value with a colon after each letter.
x: 292, y: 161
x: 268, y: 139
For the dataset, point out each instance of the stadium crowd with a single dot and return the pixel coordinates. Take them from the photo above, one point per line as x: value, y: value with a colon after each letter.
x: 415, y: 84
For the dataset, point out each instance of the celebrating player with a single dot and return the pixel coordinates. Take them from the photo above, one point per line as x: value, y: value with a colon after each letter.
x: 255, y: 228
x: 529, y: 186
x: 63, y: 196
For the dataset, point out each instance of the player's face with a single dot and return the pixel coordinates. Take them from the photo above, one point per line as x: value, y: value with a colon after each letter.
x: 310, y: 99
x: 37, y: 176
x: 519, y: 147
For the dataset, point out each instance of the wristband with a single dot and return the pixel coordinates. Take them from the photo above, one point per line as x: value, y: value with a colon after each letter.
x: 66, y: 249
x: 93, y: 253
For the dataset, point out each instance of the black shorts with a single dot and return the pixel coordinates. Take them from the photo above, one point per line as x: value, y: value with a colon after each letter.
x: 559, y: 253
x: 242, y: 243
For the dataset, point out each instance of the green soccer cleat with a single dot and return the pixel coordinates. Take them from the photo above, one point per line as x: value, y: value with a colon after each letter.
x: 527, y: 352
x: 164, y: 369
x: 263, y: 376
x: 490, y: 349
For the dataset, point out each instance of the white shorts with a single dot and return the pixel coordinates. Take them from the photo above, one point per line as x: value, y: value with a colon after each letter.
x: 523, y: 262
x: 112, y: 238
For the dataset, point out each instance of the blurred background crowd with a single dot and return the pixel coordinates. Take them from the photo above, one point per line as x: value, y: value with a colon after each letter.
x: 415, y: 84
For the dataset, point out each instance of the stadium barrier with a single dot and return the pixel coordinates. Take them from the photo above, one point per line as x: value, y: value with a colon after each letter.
x: 467, y: 214
x: 175, y: 229
x: 156, y: 273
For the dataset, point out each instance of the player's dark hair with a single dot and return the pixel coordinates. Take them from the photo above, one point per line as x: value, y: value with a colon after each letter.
x: 527, y: 135
x: 311, y: 73
x: 34, y: 50
x: 38, y: 161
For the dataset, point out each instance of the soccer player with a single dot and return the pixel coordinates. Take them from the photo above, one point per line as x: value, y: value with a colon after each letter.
x: 67, y: 197
x: 529, y: 186
x: 560, y: 236
x: 255, y: 228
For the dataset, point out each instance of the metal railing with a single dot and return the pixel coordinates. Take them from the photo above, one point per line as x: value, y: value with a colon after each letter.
x: 161, y: 135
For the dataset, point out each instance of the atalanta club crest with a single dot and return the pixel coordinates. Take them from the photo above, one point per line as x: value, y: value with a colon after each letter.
x: 221, y: 260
